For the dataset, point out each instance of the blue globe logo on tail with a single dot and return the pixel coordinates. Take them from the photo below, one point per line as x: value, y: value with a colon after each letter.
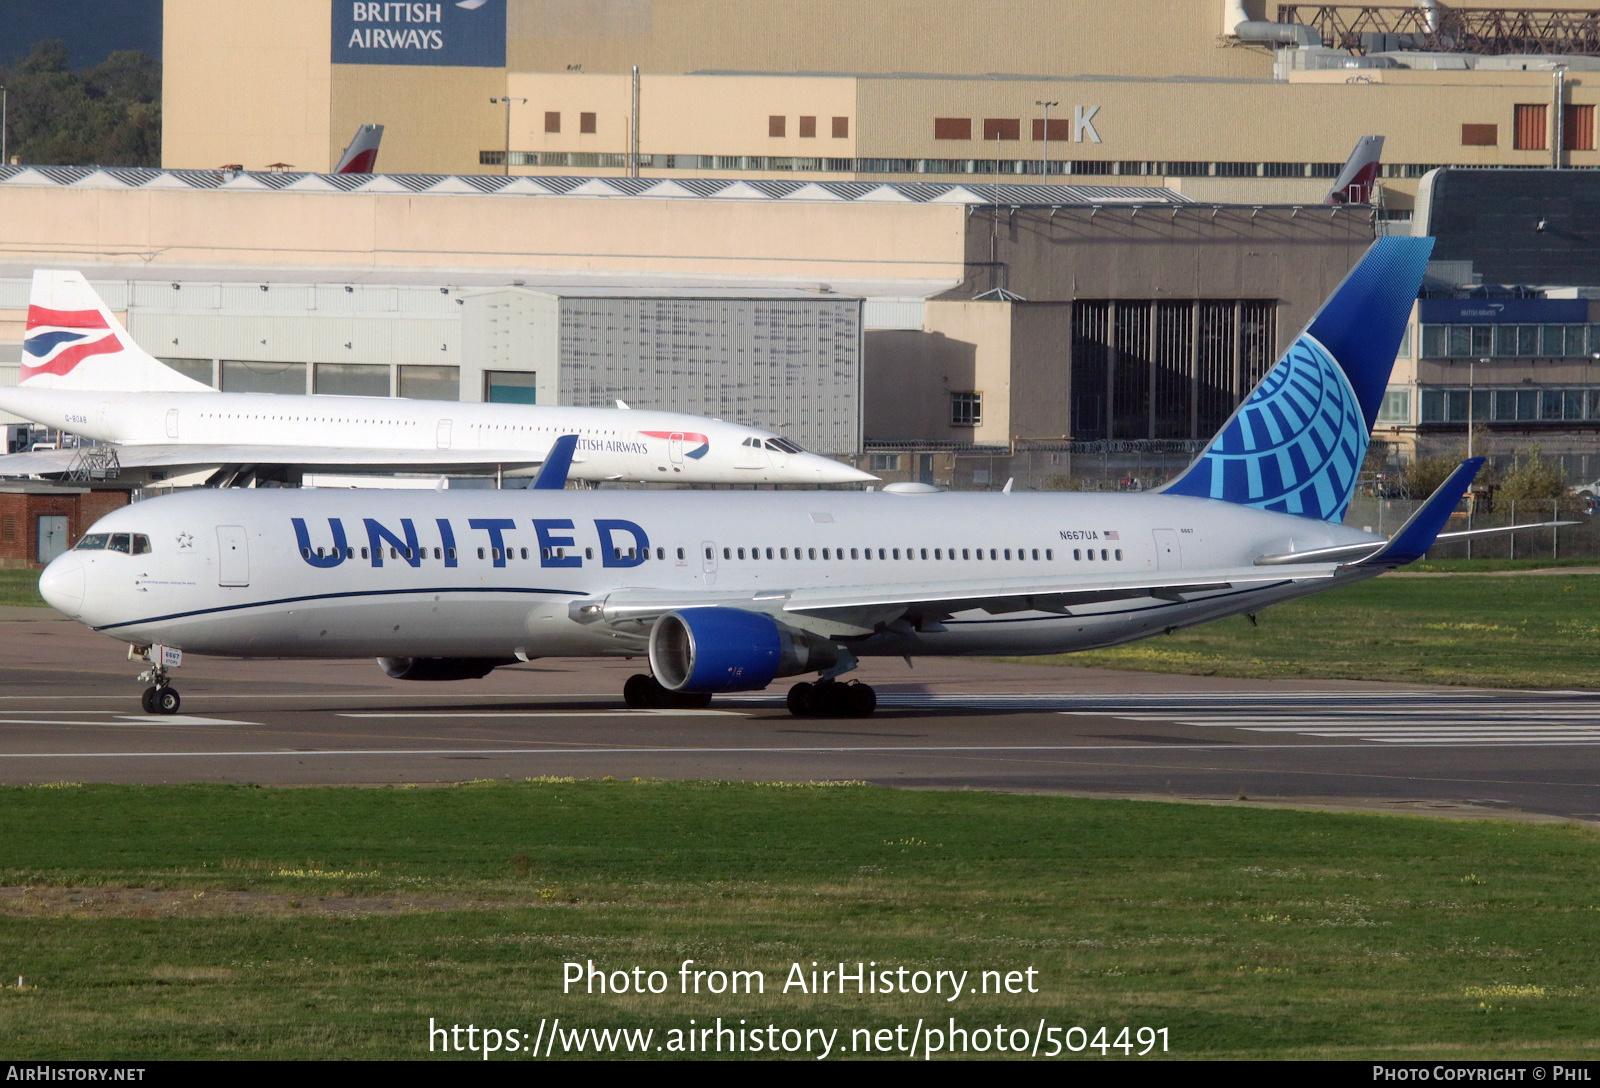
x: 1296, y: 444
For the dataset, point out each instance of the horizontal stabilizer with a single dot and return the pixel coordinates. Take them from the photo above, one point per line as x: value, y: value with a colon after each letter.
x: 1422, y: 528
x: 1415, y: 537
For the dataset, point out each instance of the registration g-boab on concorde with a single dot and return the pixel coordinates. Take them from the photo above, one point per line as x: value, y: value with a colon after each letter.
x: 728, y: 591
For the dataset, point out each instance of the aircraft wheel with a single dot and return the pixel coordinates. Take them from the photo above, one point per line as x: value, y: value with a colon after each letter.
x: 167, y: 701
x: 833, y: 700
x: 803, y: 700
x: 641, y: 692
x: 148, y: 700
x: 690, y: 700
x: 862, y: 700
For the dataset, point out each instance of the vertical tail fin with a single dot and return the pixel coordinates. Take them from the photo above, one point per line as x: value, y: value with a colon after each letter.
x: 1297, y: 442
x: 74, y: 342
x: 361, y: 157
x: 1355, y: 182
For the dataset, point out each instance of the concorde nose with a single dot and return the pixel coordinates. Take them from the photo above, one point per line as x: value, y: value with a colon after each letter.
x: 61, y: 584
x: 830, y: 471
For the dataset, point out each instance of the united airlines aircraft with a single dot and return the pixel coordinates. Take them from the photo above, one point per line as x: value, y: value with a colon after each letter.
x: 82, y: 372
x: 728, y: 591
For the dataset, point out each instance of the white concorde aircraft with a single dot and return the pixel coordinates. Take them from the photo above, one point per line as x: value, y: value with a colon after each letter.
x: 83, y: 373
x: 726, y: 591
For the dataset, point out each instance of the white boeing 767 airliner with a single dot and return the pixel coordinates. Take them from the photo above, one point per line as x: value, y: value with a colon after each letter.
x: 83, y: 373
x: 726, y: 591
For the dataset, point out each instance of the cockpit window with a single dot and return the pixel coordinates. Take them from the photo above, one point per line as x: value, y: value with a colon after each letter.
x: 120, y: 542
x: 784, y: 445
x: 141, y: 544
x: 93, y: 542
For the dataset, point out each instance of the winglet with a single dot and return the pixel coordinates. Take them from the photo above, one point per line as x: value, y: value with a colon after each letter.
x: 1419, y: 532
x: 557, y: 463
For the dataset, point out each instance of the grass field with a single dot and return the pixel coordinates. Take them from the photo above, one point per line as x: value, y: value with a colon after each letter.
x: 1540, y: 631
x: 20, y: 587
x: 156, y: 922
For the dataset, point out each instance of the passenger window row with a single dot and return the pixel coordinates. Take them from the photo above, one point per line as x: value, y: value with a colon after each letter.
x: 450, y: 553
x: 890, y: 554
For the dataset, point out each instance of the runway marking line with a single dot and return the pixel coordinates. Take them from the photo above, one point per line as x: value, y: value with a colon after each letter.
x: 785, y: 750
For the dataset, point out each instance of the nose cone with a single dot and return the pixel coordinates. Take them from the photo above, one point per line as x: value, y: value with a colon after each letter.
x: 830, y: 471
x: 61, y: 584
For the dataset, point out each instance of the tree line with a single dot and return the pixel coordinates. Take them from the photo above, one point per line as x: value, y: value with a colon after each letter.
x: 105, y: 115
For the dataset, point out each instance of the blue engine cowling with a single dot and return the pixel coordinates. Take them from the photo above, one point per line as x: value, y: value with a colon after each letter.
x: 730, y: 649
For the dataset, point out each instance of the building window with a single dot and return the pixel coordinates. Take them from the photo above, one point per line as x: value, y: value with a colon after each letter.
x: 841, y: 128
x: 1530, y: 128
x: 775, y: 125
x: 966, y: 409
x: 552, y: 121
x: 1577, y: 128
x: 883, y: 462
x: 586, y: 123
x: 430, y: 382
x: 243, y: 376
x: 351, y: 379
x: 510, y: 387
x: 1059, y: 131
x: 198, y: 369
x: 1480, y: 135
x: 1396, y: 407
x: 952, y: 128
x: 1002, y: 128
x: 808, y: 127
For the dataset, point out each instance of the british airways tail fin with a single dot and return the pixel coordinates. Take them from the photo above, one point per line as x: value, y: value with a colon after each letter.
x: 1297, y: 442
x: 361, y: 157
x: 74, y: 342
x: 1359, y: 177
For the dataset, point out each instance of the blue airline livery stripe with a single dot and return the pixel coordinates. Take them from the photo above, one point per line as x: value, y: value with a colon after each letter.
x: 347, y: 594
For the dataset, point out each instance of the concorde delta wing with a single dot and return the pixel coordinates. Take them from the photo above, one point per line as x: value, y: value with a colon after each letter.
x: 306, y: 458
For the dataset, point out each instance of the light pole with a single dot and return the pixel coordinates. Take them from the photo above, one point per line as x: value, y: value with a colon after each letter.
x: 1044, y: 157
x: 4, y: 104
x: 1472, y: 370
x: 508, y: 100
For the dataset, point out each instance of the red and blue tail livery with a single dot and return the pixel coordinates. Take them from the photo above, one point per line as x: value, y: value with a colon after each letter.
x: 58, y: 340
x: 74, y: 342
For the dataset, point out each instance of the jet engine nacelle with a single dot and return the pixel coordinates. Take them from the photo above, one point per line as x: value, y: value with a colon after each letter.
x: 441, y: 668
x: 730, y: 649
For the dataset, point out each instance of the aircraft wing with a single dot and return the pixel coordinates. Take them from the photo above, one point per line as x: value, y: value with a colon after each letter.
x: 844, y: 610
x: 308, y: 458
x: 37, y: 462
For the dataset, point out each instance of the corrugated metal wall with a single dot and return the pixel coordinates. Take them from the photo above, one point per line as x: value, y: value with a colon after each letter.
x: 788, y: 365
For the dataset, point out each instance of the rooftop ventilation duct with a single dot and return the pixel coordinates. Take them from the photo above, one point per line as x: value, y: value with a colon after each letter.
x: 1236, y: 22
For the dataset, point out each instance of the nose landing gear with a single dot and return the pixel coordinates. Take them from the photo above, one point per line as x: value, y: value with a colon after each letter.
x: 160, y: 700
x: 160, y: 697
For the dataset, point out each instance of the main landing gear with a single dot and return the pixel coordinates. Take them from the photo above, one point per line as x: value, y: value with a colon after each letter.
x: 832, y: 699
x: 644, y: 692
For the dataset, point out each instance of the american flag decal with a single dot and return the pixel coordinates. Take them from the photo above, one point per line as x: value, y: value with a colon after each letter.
x: 1111, y: 534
